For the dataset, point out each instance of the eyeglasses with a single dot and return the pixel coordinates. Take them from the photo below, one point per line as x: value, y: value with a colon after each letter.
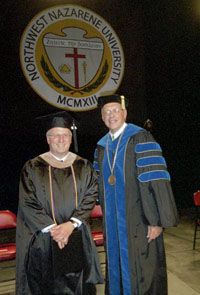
x: 57, y: 136
x: 115, y: 111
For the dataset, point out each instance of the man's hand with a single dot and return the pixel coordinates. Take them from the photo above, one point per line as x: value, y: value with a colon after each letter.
x: 61, y: 233
x: 153, y: 232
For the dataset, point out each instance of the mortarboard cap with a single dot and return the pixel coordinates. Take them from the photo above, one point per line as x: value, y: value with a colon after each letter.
x: 104, y: 99
x: 59, y: 119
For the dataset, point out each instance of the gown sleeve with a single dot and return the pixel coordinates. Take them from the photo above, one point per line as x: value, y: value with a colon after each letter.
x: 30, y: 208
x: 154, y: 182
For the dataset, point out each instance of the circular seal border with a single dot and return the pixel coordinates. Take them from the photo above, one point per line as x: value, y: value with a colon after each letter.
x: 28, y: 44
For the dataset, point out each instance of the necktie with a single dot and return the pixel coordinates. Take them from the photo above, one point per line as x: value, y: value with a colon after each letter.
x: 113, y: 137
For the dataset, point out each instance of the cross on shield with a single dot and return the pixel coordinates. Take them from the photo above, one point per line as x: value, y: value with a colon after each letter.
x: 74, y: 57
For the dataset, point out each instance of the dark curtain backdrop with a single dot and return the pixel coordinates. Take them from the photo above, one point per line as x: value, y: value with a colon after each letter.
x: 161, y: 45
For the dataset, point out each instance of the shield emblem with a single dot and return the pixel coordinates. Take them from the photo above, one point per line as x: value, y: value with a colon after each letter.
x: 74, y: 57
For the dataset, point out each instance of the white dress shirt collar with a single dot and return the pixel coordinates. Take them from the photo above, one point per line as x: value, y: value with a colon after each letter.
x: 121, y: 129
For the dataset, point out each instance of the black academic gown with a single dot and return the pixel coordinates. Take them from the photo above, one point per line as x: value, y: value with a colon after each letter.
x: 34, y: 271
x: 142, y: 196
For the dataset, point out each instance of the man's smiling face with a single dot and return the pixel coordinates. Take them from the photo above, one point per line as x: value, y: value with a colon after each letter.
x: 113, y: 116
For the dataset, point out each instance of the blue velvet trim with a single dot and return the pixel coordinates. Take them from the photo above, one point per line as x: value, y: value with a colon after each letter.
x: 111, y: 233
x: 115, y: 214
x: 148, y: 161
x: 154, y: 175
x: 121, y: 216
x: 131, y: 129
x: 103, y: 140
x: 96, y: 166
x: 95, y: 153
x: 147, y: 147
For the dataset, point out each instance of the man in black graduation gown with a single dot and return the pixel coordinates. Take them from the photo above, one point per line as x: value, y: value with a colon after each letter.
x: 137, y: 203
x: 58, y: 191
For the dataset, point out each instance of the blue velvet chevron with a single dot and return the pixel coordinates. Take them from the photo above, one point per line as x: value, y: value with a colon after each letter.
x: 153, y: 160
x: 154, y: 175
x: 147, y: 147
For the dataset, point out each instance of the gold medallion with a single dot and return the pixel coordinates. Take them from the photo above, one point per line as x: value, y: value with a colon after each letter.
x: 111, y: 179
